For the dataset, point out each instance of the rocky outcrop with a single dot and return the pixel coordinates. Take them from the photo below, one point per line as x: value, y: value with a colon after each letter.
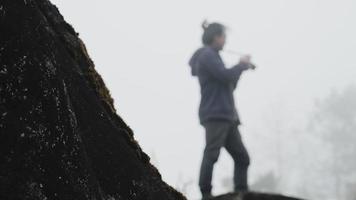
x: 60, y: 136
x: 253, y: 196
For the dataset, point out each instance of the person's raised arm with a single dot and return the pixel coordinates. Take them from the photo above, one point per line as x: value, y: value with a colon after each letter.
x: 246, y: 62
x: 215, y: 66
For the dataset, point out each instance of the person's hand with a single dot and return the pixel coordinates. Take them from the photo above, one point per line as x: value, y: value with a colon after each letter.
x: 246, y: 61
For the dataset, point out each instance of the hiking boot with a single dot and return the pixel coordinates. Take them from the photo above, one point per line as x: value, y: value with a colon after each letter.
x: 241, y: 193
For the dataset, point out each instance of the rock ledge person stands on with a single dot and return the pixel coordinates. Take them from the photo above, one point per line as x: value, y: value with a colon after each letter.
x: 217, y: 110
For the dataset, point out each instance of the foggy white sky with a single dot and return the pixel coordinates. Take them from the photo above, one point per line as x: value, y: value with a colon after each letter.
x: 303, y: 48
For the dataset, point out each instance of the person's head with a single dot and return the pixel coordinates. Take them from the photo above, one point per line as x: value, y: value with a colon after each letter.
x: 214, y: 35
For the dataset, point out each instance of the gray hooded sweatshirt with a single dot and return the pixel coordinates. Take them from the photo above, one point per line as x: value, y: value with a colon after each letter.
x: 217, y: 85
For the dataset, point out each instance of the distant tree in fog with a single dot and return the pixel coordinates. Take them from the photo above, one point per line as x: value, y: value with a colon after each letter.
x: 334, y: 123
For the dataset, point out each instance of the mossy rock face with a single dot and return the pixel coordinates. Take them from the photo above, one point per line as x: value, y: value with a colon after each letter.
x: 60, y: 136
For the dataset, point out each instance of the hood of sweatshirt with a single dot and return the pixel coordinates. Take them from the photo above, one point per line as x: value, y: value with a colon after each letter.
x: 194, y: 61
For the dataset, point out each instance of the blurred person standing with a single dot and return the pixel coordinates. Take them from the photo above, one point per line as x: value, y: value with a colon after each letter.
x: 217, y: 111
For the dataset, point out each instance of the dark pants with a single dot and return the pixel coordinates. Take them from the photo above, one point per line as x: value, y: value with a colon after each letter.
x: 223, y: 134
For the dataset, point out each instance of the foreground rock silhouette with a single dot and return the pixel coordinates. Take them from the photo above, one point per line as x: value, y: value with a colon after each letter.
x: 253, y: 196
x: 60, y: 136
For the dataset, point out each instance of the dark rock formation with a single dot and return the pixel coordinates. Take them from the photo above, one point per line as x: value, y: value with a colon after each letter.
x: 253, y: 196
x: 60, y: 137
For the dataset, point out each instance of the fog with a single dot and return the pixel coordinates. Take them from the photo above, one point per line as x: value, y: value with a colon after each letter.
x: 305, y: 53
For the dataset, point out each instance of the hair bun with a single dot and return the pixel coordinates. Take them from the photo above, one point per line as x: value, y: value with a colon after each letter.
x: 205, y: 24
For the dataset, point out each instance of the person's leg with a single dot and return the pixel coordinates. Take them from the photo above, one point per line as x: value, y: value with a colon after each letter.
x: 216, y: 132
x: 237, y: 150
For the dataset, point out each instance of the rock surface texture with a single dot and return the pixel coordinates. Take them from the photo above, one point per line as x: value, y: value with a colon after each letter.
x: 60, y: 136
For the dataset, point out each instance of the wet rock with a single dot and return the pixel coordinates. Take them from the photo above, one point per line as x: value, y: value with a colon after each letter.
x: 60, y: 136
